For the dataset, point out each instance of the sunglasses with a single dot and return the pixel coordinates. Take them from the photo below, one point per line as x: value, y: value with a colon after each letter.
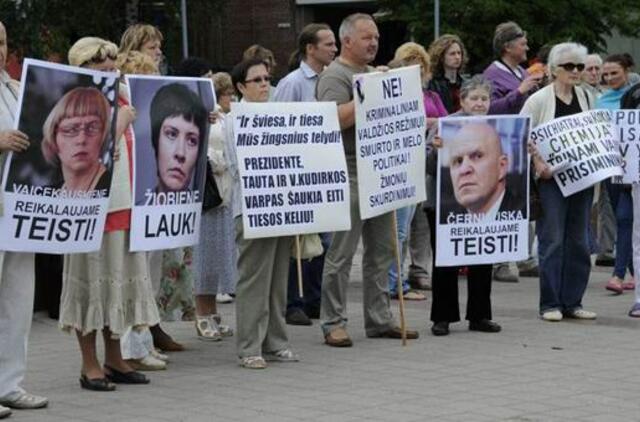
x: 569, y: 67
x: 259, y: 79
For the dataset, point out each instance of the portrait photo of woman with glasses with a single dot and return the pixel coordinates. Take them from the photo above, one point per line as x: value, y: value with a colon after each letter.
x: 74, y: 139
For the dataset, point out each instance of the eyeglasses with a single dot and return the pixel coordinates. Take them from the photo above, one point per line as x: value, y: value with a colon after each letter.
x: 259, y: 79
x: 569, y: 67
x: 72, y: 131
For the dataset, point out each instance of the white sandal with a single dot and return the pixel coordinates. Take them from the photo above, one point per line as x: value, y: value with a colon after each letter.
x: 207, y: 328
x: 224, y: 329
x: 253, y: 362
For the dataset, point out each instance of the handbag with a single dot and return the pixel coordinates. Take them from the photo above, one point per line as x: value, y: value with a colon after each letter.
x: 310, y: 246
x: 211, y: 197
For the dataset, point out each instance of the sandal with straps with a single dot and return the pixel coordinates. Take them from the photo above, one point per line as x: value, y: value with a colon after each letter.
x: 207, y: 328
x: 253, y: 362
x: 225, y: 330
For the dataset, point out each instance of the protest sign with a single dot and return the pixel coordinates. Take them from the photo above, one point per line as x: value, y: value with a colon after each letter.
x: 171, y: 135
x: 56, y: 193
x: 293, y: 173
x: 482, y: 202
x: 627, y: 124
x: 581, y: 149
x: 390, y: 140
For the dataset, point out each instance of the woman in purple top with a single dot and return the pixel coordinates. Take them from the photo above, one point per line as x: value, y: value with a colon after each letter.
x: 409, y: 54
x: 511, y: 83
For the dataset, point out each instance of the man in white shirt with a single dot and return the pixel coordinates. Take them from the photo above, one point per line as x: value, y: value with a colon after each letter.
x: 316, y: 50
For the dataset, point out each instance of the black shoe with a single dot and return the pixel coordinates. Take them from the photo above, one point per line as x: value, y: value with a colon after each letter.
x: 96, y: 384
x: 532, y: 272
x: 313, y: 312
x: 440, y: 328
x: 484, y: 325
x: 131, y: 377
x: 296, y: 316
x: 605, y: 261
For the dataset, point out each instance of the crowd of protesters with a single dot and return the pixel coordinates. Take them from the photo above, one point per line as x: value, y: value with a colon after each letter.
x: 126, y: 295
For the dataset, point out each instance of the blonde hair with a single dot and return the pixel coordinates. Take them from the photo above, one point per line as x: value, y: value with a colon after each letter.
x: 78, y: 102
x: 90, y: 50
x: 438, y: 49
x: 414, y: 53
x: 136, y: 63
x: 222, y: 82
x: 138, y: 35
x: 257, y: 51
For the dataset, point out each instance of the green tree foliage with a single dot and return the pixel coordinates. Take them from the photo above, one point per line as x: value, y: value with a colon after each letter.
x: 546, y: 21
x: 45, y: 29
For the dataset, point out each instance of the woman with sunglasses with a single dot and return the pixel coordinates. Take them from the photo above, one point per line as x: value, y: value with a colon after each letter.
x: 263, y: 264
x: 563, y: 248
x: 615, y: 73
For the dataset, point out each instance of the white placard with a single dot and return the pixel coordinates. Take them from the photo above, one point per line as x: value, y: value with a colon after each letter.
x: 171, y: 133
x: 56, y: 193
x: 293, y: 173
x: 483, y: 190
x: 390, y: 140
x: 581, y: 149
x: 628, y: 126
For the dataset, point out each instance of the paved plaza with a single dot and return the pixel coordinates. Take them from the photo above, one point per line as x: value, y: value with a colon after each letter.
x: 531, y: 371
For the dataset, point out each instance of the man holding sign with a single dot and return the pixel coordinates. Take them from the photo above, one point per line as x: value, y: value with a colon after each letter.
x: 359, y: 41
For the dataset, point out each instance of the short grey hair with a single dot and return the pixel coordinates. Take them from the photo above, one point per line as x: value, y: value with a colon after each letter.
x: 349, y: 23
x: 596, y: 57
x: 565, y: 49
x: 473, y: 83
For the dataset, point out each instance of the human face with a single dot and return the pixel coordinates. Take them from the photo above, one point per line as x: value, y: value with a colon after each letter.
x: 178, y: 144
x: 256, y: 86
x: 477, y: 167
x: 614, y: 75
x: 453, y: 57
x: 79, y: 141
x: 224, y: 100
x: 325, y: 49
x: 517, y: 49
x: 476, y: 102
x: 565, y: 76
x: 592, y: 71
x: 152, y: 49
x: 3, y: 47
x: 363, y: 43
x: 108, y: 65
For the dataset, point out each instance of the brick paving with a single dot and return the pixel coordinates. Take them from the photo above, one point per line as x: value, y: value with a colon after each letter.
x: 531, y: 371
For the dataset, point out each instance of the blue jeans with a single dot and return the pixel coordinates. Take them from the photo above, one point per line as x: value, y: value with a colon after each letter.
x: 563, y: 247
x: 404, y: 217
x: 622, y: 205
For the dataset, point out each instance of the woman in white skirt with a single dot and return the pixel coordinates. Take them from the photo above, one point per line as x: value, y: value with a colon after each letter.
x: 109, y: 290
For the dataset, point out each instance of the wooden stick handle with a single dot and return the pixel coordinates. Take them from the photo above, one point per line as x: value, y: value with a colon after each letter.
x: 299, y: 265
x: 399, y: 286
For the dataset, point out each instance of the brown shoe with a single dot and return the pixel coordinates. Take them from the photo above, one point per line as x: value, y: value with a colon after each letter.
x: 338, y: 338
x: 163, y: 341
x: 395, y: 332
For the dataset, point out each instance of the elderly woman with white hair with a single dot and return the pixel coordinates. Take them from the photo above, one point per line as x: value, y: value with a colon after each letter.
x: 562, y: 234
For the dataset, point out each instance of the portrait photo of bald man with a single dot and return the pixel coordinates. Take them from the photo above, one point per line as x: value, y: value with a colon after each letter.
x: 483, y: 170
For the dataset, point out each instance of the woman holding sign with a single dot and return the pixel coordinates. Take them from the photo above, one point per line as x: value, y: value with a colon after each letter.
x: 616, y: 76
x: 108, y: 290
x: 562, y: 232
x: 475, y: 98
x: 263, y: 264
